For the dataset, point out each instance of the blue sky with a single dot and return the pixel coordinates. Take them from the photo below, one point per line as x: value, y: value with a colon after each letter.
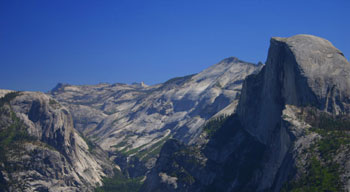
x: 87, y: 42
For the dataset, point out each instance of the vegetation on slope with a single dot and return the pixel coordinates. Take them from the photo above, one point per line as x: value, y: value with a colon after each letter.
x: 120, y: 183
x: 133, y: 161
x: 8, y: 97
x: 12, y: 135
x: 152, y: 151
x: 323, y: 172
x: 90, y: 143
x: 12, y: 129
x: 212, y: 126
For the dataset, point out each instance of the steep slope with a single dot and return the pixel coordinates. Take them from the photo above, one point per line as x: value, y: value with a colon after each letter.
x: 41, y: 150
x: 291, y: 124
x: 135, y: 120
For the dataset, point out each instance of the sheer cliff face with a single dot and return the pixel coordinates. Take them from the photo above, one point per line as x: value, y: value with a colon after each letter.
x: 271, y: 137
x: 301, y: 70
x: 43, y: 150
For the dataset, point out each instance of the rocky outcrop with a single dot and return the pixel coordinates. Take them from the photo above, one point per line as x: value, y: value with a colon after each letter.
x: 273, y: 138
x: 43, y: 150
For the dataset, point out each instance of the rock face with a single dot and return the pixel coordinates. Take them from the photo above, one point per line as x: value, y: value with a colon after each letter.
x: 324, y: 68
x: 280, y: 131
x: 300, y: 70
x: 135, y: 120
x: 43, y: 151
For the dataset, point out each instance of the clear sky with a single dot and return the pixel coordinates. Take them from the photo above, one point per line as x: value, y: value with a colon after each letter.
x: 43, y: 42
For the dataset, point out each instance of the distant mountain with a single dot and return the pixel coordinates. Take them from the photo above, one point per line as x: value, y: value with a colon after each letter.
x: 132, y: 122
x: 290, y: 132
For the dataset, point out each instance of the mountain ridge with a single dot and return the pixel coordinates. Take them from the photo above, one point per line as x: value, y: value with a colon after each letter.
x: 130, y: 120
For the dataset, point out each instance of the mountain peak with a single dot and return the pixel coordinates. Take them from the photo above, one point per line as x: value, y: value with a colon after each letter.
x: 233, y: 60
x: 141, y: 84
x: 59, y: 87
x: 230, y: 60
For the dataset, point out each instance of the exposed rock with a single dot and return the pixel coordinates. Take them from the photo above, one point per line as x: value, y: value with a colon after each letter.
x: 134, y: 119
x: 53, y: 157
x: 324, y: 68
x: 298, y: 72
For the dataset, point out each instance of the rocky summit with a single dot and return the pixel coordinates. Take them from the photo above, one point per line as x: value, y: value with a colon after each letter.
x: 236, y: 126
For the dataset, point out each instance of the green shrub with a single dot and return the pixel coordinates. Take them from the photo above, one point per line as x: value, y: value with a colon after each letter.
x: 319, y: 178
x: 214, y: 125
